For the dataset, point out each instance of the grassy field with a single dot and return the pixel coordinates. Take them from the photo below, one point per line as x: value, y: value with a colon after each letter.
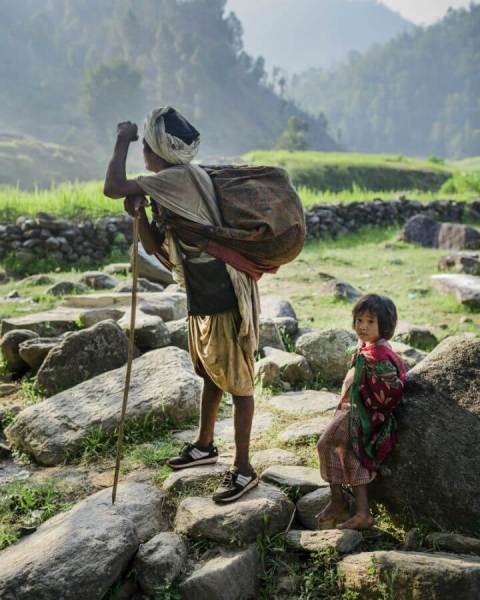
x: 344, y: 170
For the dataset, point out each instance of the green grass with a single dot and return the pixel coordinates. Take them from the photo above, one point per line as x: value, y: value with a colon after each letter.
x: 27, y: 505
x: 336, y: 172
x: 67, y: 200
x: 372, y: 261
x: 466, y: 165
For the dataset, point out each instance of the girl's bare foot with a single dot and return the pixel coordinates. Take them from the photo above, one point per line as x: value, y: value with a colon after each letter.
x: 358, y: 521
x: 331, y: 511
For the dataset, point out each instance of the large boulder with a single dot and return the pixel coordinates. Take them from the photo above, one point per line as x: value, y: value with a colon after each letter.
x: 415, y: 335
x: 465, y: 288
x: 81, y: 356
x: 47, y: 323
x: 80, y: 554
x: 438, y: 441
x: 62, y: 288
x: 263, y: 509
x: 163, y: 387
x: 160, y: 561
x: 230, y: 576
x: 34, y: 351
x: 98, y: 280
x: 178, y: 331
x: 412, y: 575
x: 461, y: 262
x: 151, y: 268
x: 293, y: 368
x: 425, y: 231
x: 10, y: 348
x: 273, y: 307
x: 270, y: 335
x: 410, y: 356
x: 327, y: 352
x: 342, y: 541
x: 150, y: 331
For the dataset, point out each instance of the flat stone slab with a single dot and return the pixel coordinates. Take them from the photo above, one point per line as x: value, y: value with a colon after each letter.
x: 304, y: 403
x: 413, y: 574
x: 48, y: 323
x: 274, y: 456
x: 80, y: 554
x: 264, y: 508
x: 189, y: 479
x: 224, y: 429
x: 410, y: 356
x: 343, y: 541
x: 300, y: 480
x: 304, y: 431
x: 163, y: 386
x: 230, y: 576
x: 466, y: 288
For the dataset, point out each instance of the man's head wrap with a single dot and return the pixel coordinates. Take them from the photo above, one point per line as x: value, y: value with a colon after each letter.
x: 171, y: 136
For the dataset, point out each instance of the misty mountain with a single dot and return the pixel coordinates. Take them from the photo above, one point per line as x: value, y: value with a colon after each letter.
x: 298, y: 34
x: 418, y: 94
x: 71, y: 70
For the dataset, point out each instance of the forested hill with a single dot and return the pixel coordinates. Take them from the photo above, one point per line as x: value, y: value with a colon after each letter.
x: 417, y: 95
x: 298, y: 34
x: 71, y: 70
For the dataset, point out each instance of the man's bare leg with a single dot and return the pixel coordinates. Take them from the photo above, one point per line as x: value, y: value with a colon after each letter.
x: 211, y: 398
x: 243, y: 407
x: 362, y: 519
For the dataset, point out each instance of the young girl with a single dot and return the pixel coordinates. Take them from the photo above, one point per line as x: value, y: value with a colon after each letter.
x: 362, y: 432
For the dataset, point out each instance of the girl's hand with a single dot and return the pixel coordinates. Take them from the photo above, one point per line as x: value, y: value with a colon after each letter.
x: 135, y: 204
x: 127, y: 131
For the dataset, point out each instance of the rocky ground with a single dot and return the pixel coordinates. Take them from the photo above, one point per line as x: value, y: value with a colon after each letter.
x: 63, y: 374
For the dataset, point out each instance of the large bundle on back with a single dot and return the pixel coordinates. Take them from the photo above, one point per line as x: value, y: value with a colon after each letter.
x: 263, y: 219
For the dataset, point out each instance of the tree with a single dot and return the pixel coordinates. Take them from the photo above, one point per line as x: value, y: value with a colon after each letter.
x: 112, y: 93
x: 293, y: 138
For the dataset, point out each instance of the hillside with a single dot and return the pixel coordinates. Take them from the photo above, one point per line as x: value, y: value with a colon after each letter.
x: 417, y: 94
x: 72, y: 70
x: 298, y: 34
x: 335, y: 172
x: 27, y: 162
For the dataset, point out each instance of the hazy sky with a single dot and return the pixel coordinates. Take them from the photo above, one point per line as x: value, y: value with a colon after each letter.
x: 424, y: 11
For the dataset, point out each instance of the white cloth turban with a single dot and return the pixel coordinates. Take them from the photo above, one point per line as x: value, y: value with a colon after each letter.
x: 169, y: 147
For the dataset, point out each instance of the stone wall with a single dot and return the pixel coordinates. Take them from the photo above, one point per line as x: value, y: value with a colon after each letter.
x: 68, y: 241
x: 62, y: 240
x: 334, y: 219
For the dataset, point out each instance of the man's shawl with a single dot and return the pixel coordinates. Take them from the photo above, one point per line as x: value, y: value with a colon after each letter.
x: 376, y: 390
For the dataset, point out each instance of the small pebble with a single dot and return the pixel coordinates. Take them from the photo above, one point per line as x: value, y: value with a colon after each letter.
x: 466, y: 320
x: 443, y: 326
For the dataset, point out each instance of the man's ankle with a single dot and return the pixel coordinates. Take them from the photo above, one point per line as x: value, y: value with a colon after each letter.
x: 201, y: 445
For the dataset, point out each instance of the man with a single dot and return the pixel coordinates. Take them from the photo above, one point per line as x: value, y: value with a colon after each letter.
x: 223, y: 302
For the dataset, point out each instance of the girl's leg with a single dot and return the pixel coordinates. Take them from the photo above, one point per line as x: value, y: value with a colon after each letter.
x: 362, y: 519
x: 335, y: 507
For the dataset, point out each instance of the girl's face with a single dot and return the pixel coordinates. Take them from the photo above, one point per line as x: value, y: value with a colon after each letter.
x: 366, y: 327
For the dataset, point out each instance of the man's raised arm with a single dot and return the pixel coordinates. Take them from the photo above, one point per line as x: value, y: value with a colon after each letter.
x: 116, y: 183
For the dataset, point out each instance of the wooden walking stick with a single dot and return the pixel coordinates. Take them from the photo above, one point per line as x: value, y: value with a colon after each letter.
x: 131, y: 338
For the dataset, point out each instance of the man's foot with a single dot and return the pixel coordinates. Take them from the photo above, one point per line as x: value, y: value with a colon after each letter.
x: 358, y: 521
x: 193, y: 455
x: 234, y: 485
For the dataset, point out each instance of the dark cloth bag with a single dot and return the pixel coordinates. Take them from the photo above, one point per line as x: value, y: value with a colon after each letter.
x: 209, y: 288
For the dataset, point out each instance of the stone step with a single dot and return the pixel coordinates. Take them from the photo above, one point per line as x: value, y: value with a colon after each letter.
x: 343, y: 541
x: 187, y: 480
x: 304, y: 403
x: 80, y: 554
x: 264, y: 508
x: 274, y: 456
x: 310, y: 505
x: 163, y: 386
x: 418, y: 575
x: 294, y: 480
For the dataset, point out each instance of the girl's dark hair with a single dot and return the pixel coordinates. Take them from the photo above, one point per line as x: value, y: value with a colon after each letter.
x: 383, y: 308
